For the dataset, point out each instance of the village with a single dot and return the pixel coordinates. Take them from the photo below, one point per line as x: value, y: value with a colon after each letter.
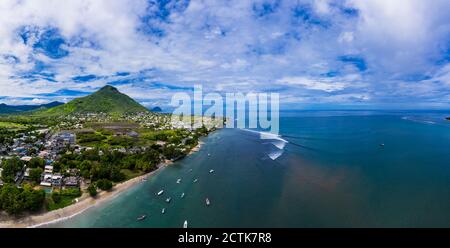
x: 48, y: 145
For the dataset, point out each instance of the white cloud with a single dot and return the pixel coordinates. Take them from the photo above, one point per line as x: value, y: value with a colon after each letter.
x: 227, y: 47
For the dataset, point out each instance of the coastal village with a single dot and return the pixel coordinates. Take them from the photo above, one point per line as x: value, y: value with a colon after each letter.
x: 48, y: 158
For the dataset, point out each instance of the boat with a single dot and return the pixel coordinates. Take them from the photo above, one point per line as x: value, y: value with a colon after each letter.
x: 160, y: 192
x: 190, y: 170
x: 182, y: 195
x: 382, y: 144
x: 185, y: 224
x: 179, y: 180
x: 163, y: 211
x: 211, y: 171
x: 207, y: 202
x: 195, y: 180
x: 142, y: 217
x: 168, y: 200
x: 209, y: 154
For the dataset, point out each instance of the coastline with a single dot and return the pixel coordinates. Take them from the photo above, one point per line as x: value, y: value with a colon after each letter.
x: 84, y: 203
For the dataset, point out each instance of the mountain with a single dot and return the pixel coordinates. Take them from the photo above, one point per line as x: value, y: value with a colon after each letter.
x: 106, y: 100
x: 156, y: 109
x: 10, y: 109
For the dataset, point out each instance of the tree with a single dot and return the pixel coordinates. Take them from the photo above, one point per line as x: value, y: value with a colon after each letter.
x: 104, y: 184
x: 56, y: 197
x: 10, y: 168
x: 36, y: 163
x: 92, y: 189
x: 35, y: 174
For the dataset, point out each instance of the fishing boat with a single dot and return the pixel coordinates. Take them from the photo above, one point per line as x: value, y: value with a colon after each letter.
x: 182, y: 195
x: 211, y: 171
x: 142, y: 217
x: 160, y: 192
x: 207, y: 202
x: 163, y: 211
x: 185, y: 224
x: 195, y: 180
x: 179, y: 180
x: 168, y: 200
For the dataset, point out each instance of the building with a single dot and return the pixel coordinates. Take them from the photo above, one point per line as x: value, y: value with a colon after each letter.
x: 46, y: 180
x: 72, y: 182
x: 26, y: 158
x: 48, y: 169
x: 57, y: 180
x: 27, y: 173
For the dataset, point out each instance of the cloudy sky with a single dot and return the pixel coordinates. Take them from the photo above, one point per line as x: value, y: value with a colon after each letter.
x: 316, y: 54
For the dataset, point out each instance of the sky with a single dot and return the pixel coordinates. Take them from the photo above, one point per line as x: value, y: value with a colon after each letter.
x: 361, y: 54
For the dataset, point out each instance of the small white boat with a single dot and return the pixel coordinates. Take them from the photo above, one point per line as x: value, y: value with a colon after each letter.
x: 142, y: 217
x: 209, y: 154
x: 179, y: 180
x: 185, y: 224
x: 211, y: 171
x: 168, y: 200
x: 195, y: 180
x: 182, y: 195
x: 160, y: 192
x: 190, y: 170
x: 207, y: 202
x: 163, y: 211
x: 382, y: 144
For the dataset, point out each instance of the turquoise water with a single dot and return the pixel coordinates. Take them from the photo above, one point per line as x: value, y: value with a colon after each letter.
x: 331, y: 173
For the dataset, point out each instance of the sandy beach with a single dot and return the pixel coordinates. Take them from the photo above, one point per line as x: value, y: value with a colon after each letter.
x: 84, y: 202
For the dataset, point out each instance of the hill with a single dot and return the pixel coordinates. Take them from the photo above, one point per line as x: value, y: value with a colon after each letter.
x: 156, y: 109
x: 11, y: 109
x: 106, y: 100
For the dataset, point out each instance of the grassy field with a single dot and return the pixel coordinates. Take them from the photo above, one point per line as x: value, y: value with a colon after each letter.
x: 11, y: 125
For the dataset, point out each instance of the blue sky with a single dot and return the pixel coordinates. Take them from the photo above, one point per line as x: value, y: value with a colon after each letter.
x: 316, y: 54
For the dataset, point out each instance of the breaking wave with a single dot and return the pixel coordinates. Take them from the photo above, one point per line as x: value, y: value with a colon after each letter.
x: 278, y: 142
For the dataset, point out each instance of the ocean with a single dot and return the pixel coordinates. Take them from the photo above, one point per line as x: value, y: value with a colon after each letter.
x: 327, y: 169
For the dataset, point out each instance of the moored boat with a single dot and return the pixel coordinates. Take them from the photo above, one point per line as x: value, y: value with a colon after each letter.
x: 142, y: 217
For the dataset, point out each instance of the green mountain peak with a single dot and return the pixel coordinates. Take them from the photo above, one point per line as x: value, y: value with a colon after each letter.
x: 108, y: 99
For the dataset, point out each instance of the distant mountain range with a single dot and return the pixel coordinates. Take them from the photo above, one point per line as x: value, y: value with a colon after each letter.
x: 11, y: 109
x: 106, y: 100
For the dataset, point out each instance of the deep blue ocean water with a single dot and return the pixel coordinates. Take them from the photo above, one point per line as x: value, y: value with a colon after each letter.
x: 331, y: 172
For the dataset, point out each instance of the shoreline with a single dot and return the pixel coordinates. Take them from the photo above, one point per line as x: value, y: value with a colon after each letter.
x: 84, y: 203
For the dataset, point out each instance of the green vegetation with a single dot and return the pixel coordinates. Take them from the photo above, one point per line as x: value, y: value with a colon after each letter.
x: 107, y: 100
x: 11, y: 125
x: 62, y: 198
x: 92, y: 190
x: 10, y: 168
x: 104, y: 184
x: 15, y: 200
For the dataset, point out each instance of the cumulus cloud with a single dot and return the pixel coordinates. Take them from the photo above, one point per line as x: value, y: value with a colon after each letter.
x: 351, y: 51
